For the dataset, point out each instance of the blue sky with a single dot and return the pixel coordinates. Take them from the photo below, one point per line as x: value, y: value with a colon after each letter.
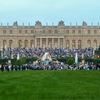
x: 50, y: 11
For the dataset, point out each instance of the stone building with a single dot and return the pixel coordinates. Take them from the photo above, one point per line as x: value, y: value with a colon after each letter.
x: 60, y: 36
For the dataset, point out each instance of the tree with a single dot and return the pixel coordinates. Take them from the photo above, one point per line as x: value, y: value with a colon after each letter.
x: 70, y: 60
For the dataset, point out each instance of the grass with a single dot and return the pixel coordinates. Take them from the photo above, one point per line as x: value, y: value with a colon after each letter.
x: 50, y: 85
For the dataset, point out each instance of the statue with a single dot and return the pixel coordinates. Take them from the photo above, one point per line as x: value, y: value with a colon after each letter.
x: 46, y: 56
x: 38, y: 23
x: 61, y: 23
x: 15, y: 23
x: 84, y: 23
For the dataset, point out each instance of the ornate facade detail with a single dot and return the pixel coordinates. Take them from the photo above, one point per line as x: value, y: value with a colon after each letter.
x: 84, y: 23
x: 15, y: 23
x: 38, y: 24
x: 49, y: 36
x: 61, y: 23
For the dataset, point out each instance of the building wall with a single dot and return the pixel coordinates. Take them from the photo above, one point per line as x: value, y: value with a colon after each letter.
x: 49, y: 36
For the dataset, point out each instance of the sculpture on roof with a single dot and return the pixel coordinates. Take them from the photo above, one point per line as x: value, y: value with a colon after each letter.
x: 38, y: 23
x: 61, y: 23
x: 84, y: 23
x: 15, y: 23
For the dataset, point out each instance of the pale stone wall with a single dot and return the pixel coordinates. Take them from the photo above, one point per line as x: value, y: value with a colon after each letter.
x: 50, y: 36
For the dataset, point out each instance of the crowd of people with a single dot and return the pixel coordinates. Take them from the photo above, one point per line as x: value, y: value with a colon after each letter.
x: 52, y: 65
x: 38, y: 52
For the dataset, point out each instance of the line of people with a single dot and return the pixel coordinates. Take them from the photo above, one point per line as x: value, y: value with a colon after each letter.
x: 50, y: 66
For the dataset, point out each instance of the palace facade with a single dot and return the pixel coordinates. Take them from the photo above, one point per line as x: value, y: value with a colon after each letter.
x: 60, y: 36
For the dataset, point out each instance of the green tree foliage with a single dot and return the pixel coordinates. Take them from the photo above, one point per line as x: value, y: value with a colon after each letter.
x: 70, y: 60
x: 67, y: 60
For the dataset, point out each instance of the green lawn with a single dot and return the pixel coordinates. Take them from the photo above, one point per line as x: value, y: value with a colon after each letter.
x: 50, y: 85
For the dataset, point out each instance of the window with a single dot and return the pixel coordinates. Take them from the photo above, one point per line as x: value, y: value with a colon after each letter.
x: 79, y: 31
x: 67, y: 31
x: 20, y: 31
x: 50, y: 31
x: 79, y: 43
x: 32, y: 31
x: 35, y: 31
x: 4, y: 31
x: 95, y: 31
x: 89, y: 43
x: 89, y: 31
x: 26, y: 43
x: 67, y: 44
x: 4, y: 44
x: 10, y: 43
x: 43, y: 31
x: 73, y: 31
x: 20, y: 44
x: 55, y: 31
x: 31, y: 43
x: 25, y: 31
x: 11, y: 31
x: 95, y: 43
x: 73, y: 44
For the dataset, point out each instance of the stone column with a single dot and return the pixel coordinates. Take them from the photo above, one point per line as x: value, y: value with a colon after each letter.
x: 63, y: 46
x: 52, y: 42
x: 58, y: 42
x: 46, y: 42
x: 35, y: 42
x: 70, y: 44
x: 40, y: 42
x: 76, y: 43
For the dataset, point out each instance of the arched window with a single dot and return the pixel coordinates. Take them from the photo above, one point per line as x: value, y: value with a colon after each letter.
x: 20, y: 44
x: 95, y: 31
x: 50, y: 42
x: 4, y: 44
x: 56, y: 31
x: 49, y: 31
x: 44, y: 31
x: 95, y: 43
x: 32, y: 31
x: 89, y: 31
x: 79, y: 31
x: 79, y: 43
x: 67, y: 44
x: 4, y: 31
x: 20, y: 31
x: 26, y: 31
x: 10, y: 43
x: 73, y: 44
x: 10, y: 31
x: 67, y: 31
x: 26, y: 43
x: 89, y: 43
x: 32, y: 43
x: 73, y: 31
